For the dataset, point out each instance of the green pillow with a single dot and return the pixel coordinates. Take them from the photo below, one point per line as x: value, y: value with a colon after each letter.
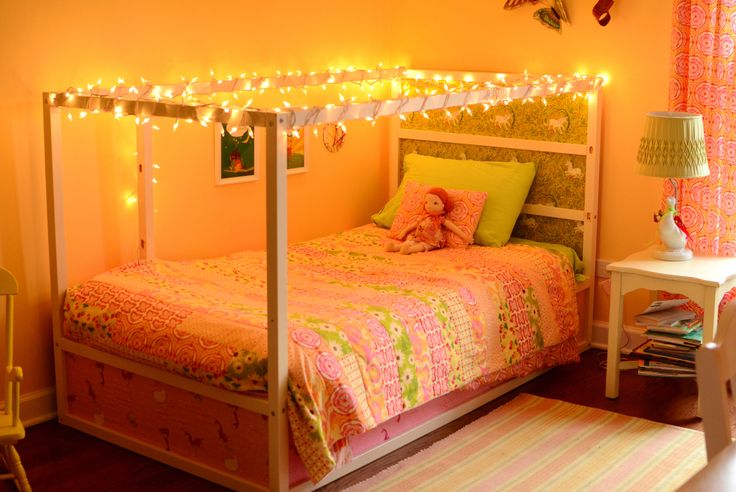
x: 507, y: 184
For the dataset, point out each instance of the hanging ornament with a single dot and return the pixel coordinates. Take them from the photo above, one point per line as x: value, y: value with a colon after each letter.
x: 333, y: 137
x: 551, y: 16
x: 600, y: 11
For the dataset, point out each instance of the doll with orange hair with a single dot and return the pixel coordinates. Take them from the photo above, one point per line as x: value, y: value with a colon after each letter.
x: 428, y: 231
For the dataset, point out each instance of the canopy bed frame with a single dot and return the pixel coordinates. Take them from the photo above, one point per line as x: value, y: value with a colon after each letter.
x: 195, y: 101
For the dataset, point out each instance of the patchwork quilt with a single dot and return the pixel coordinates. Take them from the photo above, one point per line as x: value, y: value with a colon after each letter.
x: 371, y: 333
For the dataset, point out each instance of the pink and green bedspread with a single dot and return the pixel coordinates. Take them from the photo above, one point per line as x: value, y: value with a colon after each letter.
x: 371, y: 333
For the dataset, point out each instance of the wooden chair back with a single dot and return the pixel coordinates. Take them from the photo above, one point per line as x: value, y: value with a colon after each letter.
x: 9, y: 289
x: 715, y: 364
x: 11, y: 428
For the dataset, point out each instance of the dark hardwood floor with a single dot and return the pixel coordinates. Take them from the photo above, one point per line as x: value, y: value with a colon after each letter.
x: 58, y: 458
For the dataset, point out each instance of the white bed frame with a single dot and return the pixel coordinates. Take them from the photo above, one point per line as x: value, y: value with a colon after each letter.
x: 150, y: 100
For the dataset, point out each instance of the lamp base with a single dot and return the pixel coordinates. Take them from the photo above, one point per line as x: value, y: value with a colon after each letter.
x: 682, y: 254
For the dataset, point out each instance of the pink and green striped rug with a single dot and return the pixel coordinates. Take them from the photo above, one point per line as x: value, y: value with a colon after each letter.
x: 534, y: 443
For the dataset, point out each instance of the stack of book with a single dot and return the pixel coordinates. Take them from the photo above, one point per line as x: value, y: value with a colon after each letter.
x: 673, y: 335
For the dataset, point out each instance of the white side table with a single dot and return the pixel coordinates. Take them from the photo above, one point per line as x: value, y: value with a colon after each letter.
x: 704, y: 279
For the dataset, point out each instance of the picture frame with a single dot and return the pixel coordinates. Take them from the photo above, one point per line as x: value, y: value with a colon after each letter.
x: 296, y: 154
x: 237, y: 157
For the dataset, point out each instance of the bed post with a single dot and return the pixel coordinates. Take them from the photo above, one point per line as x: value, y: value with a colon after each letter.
x: 590, y: 231
x: 57, y: 241
x: 144, y: 146
x: 276, y: 248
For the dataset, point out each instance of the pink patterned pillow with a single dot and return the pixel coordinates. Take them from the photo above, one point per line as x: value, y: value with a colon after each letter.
x: 465, y: 213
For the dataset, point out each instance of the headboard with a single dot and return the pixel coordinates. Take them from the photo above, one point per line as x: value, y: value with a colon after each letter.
x: 560, y: 133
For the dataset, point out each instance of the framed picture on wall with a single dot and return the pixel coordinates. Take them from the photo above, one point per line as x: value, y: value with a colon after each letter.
x: 236, y: 156
x: 296, y: 154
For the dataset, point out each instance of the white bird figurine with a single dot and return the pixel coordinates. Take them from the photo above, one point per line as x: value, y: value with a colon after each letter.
x: 672, y: 233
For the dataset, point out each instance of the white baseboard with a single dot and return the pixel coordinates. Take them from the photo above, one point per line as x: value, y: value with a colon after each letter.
x: 38, y: 406
x: 631, y: 338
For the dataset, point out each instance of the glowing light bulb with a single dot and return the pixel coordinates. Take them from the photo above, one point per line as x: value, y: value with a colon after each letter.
x: 131, y: 199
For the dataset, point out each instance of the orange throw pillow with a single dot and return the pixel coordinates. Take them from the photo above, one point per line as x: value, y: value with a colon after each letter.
x: 467, y: 207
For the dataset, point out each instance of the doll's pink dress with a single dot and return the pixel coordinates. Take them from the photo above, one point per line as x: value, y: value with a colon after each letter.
x: 430, y: 232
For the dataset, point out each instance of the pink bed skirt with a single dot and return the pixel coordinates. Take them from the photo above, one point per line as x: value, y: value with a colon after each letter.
x: 209, y: 432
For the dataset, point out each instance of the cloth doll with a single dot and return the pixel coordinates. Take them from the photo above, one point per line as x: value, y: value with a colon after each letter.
x: 428, y: 231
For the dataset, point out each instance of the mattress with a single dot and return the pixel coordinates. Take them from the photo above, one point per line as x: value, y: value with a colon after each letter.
x: 371, y: 333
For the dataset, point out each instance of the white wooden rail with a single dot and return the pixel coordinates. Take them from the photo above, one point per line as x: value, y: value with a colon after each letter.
x: 276, y: 125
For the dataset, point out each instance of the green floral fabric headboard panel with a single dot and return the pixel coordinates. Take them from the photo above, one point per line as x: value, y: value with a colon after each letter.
x: 560, y: 178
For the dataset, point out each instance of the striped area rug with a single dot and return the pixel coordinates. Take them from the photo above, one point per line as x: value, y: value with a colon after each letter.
x: 534, y: 443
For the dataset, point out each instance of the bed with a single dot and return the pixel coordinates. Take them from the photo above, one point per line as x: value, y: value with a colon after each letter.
x: 174, y: 359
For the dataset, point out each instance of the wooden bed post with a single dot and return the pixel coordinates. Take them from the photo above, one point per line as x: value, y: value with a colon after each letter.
x: 144, y: 145
x: 590, y: 228
x: 57, y: 240
x: 276, y: 249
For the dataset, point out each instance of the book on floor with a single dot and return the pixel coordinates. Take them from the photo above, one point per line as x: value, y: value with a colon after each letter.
x: 664, y: 313
x: 692, y: 339
x: 648, y: 371
x: 649, y: 352
x: 654, y: 365
x: 682, y: 327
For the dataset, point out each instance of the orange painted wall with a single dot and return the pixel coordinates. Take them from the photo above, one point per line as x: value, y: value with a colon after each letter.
x: 633, y: 50
x: 46, y: 47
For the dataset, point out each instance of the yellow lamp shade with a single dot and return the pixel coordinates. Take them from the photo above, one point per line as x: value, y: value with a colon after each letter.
x: 673, y: 146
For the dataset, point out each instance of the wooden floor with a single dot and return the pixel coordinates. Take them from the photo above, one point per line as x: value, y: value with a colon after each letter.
x: 58, y: 458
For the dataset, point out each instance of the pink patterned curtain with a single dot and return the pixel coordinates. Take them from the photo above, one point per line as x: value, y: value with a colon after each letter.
x: 702, y: 81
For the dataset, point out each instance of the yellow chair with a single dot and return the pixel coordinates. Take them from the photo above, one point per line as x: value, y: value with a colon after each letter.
x: 715, y: 365
x: 11, y: 428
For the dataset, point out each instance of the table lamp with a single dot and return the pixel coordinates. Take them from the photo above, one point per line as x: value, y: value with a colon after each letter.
x: 673, y: 146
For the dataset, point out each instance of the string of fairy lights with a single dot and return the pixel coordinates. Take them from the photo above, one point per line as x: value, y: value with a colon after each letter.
x: 351, y: 94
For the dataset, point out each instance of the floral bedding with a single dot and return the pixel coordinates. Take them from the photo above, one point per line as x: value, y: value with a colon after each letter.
x: 371, y: 333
